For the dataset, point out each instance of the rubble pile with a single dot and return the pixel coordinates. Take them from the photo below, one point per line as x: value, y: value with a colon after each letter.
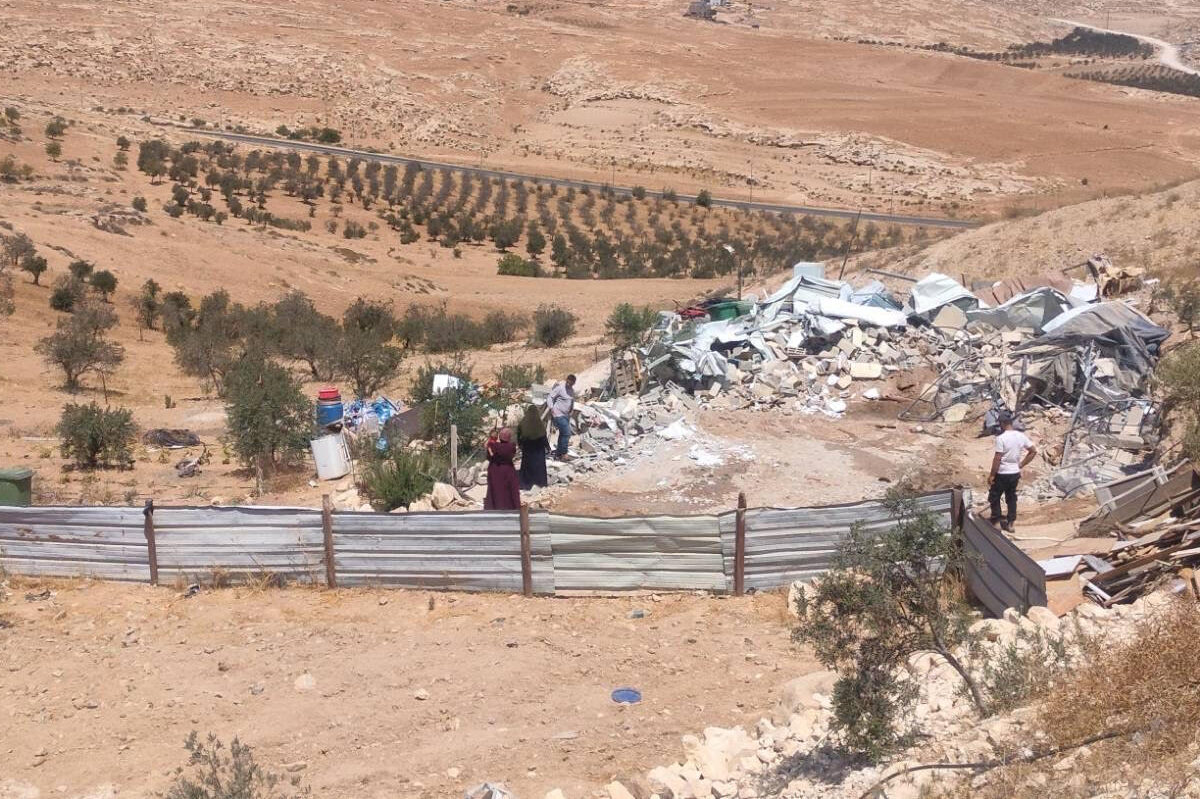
x: 1053, y: 346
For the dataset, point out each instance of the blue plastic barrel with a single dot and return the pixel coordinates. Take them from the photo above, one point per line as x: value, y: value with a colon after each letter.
x: 329, y: 407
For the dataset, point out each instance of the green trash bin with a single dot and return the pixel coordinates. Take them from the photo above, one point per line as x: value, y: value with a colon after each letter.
x: 728, y: 310
x: 16, y: 487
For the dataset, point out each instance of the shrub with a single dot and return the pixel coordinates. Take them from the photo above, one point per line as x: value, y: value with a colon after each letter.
x: 66, y: 294
x: 502, y: 326
x: 79, y: 346
x: 93, y: 436
x: 514, y: 265
x: 53, y: 150
x: 209, y: 342
x: 704, y: 199
x: 81, y: 270
x: 514, y: 379
x: 147, y: 306
x: 401, y: 476
x: 104, y: 282
x: 365, y: 353
x: 461, y: 407
x: 552, y: 325
x: 627, y: 325
x: 303, y: 333
x: 268, y: 416
x: 56, y: 127
x: 447, y: 332
x: 353, y: 230
x: 1179, y: 373
x: 889, y: 595
x: 216, y: 775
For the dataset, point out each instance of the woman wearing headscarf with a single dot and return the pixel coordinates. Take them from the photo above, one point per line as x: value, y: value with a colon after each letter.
x: 531, y: 435
x: 503, y: 489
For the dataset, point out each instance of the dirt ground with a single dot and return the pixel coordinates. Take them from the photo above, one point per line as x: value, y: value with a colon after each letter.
x: 102, y: 682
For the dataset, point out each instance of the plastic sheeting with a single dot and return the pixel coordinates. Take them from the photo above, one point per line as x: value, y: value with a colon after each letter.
x: 843, y: 309
x: 935, y: 290
x: 1031, y: 310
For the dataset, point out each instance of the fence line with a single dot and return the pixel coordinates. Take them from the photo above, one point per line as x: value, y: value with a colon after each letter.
x: 999, y: 574
x: 469, y: 551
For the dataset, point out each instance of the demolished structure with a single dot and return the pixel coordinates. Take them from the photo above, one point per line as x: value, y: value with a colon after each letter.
x: 1056, y: 348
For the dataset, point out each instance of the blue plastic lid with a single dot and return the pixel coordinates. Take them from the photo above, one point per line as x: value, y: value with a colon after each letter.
x: 627, y: 696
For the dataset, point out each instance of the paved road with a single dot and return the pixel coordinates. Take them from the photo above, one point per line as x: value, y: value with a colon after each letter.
x: 779, y: 208
x: 1168, y: 54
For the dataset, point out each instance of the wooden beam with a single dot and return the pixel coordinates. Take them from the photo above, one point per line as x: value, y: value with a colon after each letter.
x: 526, y: 553
x: 151, y: 544
x: 327, y: 534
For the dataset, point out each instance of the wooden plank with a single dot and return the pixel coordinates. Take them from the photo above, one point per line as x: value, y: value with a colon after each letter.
x: 151, y: 545
x: 526, y: 552
x: 327, y: 534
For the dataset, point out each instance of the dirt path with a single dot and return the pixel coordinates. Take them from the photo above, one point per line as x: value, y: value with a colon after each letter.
x: 102, y: 682
x: 1168, y: 54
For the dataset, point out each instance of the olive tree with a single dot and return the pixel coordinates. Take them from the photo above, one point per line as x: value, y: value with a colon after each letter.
x: 79, y: 344
x: 269, y: 418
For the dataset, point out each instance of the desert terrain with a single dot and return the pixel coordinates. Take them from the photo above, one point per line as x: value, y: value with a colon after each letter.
x: 381, y: 693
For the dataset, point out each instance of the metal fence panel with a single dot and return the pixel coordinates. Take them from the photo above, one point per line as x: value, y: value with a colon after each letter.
x: 53, y: 541
x: 655, y: 552
x: 999, y: 574
x: 194, y: 544
x: 785, y: 545
x: 457, y: 551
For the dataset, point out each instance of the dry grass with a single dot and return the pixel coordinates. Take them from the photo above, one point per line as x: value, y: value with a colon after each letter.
x: 1146, y: 687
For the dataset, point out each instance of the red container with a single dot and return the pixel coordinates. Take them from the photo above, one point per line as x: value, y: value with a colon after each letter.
x: 329, y: 393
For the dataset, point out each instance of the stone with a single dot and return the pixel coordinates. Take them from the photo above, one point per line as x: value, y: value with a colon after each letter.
x: 956, y: 413
x: 555, y: 794
x: 668, y: 780
x: 720, y: 751
x: 305, y: 682
x: 422, y: 505
x: 421, y: 695
x: 871, y: 394
x: 725, y: 788
x: 844, y: 381
x: 1044, y: 618
x: 995, y: 630
x: 298, y: 765
x: 442, y: 496
x: 618, y: 791
x: 950, y: 316
x: 866, y: 370
x: 798, y: 693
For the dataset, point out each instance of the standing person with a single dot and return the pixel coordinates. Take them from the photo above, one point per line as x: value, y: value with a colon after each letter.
x: 531, y: 436
x: 503, y: 490
x: 1013, y: 451
x: 562, y: 402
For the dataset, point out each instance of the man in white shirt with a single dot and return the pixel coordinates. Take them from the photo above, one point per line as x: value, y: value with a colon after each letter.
x: 1013, y: 451
x: 562, y: 402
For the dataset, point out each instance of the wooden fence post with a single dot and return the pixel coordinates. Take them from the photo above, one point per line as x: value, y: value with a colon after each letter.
x: 526, y: 553
x: 327, y: 533
x: 739, y: 548
x: 151, y: 544
x: 957, y: 509
x: 454, y: 455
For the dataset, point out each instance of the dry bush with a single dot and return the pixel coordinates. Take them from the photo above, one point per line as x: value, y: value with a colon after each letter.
x: 1146, y: 688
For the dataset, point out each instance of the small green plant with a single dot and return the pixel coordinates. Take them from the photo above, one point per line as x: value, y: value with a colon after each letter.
x: 139, y: 204
x: 514, y: 379
x: 890, y: 594
x: 462, y: 407
x: 704, y: 199
x: 1179, y: 374
x: 514, y: 265
x: 93, y: 436
x: 216, y: 773
x: 627, y: 324
x: 400, y: 476
x: 1028, y: 666
x: 552, y: 325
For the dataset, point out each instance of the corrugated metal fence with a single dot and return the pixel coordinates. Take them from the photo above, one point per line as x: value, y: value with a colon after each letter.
x: 535, y: 552
x: 999, y: 574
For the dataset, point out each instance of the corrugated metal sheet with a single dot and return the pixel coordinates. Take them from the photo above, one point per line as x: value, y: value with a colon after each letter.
x: 457, y: 551
x: 784, y: 545
x: 656, y: 552
x: 193, y: 543
x: 999, y: 574
x: 98, y: 542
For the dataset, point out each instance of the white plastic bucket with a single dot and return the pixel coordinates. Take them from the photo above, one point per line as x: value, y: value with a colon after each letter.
x: 331, y: 455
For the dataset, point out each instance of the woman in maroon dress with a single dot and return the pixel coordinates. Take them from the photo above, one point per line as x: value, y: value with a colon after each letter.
x: 503, y: 487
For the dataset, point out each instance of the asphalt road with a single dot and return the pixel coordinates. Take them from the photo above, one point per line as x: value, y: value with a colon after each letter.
x: 778, y: 208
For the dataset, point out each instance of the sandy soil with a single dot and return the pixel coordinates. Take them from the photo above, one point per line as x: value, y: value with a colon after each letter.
x: 101, y: 683
x: 632, y: 91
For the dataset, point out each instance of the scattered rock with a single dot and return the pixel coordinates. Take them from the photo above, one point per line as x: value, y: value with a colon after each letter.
x: 305, y: 682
